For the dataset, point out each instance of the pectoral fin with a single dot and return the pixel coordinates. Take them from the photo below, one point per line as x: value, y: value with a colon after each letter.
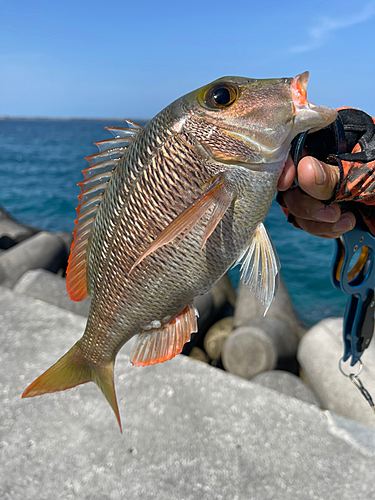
x: 260, y: 266
x: 216, y: 196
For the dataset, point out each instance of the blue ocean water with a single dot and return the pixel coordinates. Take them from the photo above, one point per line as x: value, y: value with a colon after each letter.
x: 40, y: 166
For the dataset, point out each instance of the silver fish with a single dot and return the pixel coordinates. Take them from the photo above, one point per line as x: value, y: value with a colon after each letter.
x: 166, y: 210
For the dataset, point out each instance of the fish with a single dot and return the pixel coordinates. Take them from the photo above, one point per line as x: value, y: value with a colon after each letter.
x: 166, y: 209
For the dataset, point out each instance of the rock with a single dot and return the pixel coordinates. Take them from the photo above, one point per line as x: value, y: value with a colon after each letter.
x: 249, y: 309
x: 223, y: 291
x: 248, y: 351
x: 198, y: 355
x: 279, y: 332
x: 44, y: 250
x: 318, y: 354
x: 47, y: 286
x: 287, y: 383
x: 12, y: 232
x: 216, y: 336
x: 211, y: 306
x: 190, y: 431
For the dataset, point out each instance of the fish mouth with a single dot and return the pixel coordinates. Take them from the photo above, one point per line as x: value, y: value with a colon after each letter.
x: 254, y: 145
x: 299, y: 91
x: 305, y: 111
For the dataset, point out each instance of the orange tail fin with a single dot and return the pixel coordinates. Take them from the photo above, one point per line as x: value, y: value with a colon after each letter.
x: 72, y: 370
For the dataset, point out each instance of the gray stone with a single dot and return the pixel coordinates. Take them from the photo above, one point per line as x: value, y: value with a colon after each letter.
x: 223, y: 292
x: 318, y: 354
x: 216, y: 336
x: 47, y: 286
x: 274, y: 336
x: 249, y: 308
x: 13, y: 232
x: 288, y: 384
x: 198, y: 354
x: 42, y: 251
x: 190, y: 431
x: 248, y: 351
x: 212, y: 303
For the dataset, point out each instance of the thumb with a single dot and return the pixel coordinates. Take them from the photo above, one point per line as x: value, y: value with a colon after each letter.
x: 317, y: 179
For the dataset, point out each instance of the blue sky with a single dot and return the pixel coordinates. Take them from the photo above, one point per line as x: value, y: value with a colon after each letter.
x: 132, y: 58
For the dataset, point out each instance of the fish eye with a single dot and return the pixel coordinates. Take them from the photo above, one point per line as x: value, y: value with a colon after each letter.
x: 220, y: 96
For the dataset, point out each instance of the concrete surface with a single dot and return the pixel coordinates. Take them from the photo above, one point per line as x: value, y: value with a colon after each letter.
x: 44, y: 250
x: 47, y: 286
x: 191, y: 432
x: 288, y: 384
x: 248, y: 351
x: 319, y: 353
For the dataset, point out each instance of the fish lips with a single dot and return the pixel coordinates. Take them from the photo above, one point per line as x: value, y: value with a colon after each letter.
x: 307, y: 115
x: 313, y: 118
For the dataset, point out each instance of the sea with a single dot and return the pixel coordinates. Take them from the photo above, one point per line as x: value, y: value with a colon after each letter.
x: 40, y: 166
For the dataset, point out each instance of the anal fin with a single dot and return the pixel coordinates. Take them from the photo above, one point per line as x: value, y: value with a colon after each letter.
x: 260, y: 266
x: 164, y: 343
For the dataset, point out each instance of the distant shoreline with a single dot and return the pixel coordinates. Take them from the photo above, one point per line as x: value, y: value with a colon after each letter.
x: 60, y: 119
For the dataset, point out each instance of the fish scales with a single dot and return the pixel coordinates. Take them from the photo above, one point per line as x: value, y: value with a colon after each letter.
x: 186, y: 200
x: 118, y: 266
x: 119, y: 261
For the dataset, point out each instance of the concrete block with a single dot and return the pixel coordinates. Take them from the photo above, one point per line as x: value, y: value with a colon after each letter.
x: 287, y: 383
x: 249, y: 308
x: 47, y: 286
x: 210, y: 307
x: 198, y: 354
x: 13, y: 232
x: 318, y: 354
x: 274, y: 336
x: 248, y: 351
x: 190, y: 431
x: 211, y: 304
x: 44, y: 250
x: 216, y: 336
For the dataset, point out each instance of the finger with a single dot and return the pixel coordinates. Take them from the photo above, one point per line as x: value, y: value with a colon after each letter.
x: 303, y: 206
x: 287, y: 176
x: 327, y: 230
x: 317, y: 179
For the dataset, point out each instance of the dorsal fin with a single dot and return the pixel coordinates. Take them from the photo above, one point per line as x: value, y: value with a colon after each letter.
x: 95, y: 179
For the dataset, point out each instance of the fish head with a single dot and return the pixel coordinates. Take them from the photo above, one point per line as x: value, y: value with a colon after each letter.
x: 249, y: 121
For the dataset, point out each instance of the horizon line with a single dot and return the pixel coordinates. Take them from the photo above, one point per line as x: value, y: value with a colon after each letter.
x: 72, y: 118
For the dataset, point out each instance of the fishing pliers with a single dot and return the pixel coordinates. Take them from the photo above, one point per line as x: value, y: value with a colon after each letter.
x: 353, y: 269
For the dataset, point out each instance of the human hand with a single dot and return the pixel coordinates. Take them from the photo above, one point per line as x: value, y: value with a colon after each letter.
x: 317, y: 181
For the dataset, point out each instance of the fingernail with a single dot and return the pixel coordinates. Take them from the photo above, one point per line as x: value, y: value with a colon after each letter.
x: 320, y: 175
x: 326, y: 214
x: 343, y: 224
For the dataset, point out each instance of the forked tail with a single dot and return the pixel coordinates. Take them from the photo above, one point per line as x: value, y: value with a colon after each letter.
x: 71, y: 370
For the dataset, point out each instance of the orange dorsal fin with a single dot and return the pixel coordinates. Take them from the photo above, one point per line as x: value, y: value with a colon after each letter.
x: 95, y: 179
x: 216, y: 196
x: 72, y: 370
x: 161, y: 344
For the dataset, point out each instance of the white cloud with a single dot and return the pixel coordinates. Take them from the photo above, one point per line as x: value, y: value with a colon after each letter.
x: 319, y: 34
